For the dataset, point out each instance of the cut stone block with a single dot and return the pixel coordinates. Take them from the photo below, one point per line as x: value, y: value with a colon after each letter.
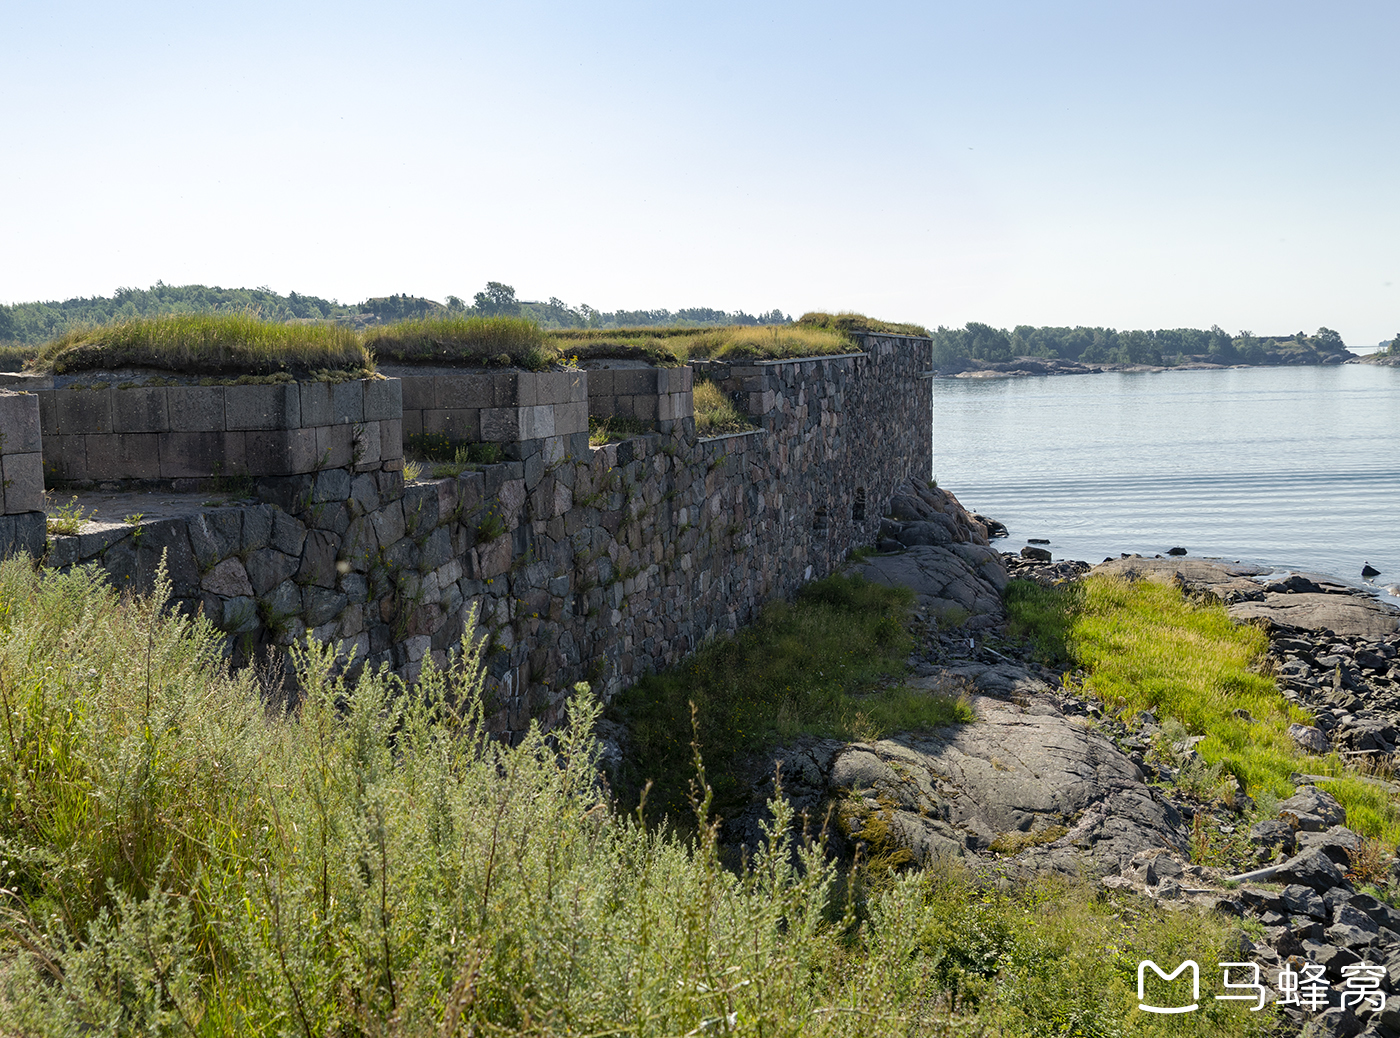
x: 501, y: 424
x: 275, y: 406
x: 24, y: 482
x: 600, y: 383
x: 84, y: 410
x: 124, y: 456
x: 635, y: 380
x: 383, y: 399
x: 571, y: 418
x: 186, y: 455
x: 537, y: 422
x: 48, y: 412
x: 461, y: 424
x: 142, y: 409
x: 281, y: 452
x: 334, y: 446
x: 317, y: 405
x: 65, y: 457
x: 418, y: 392
x: 391, y: 439
x: 514, y: 388
x: 195, y: 409
x: 347, y: 402
x: 19, y: 423
x: 469, y: 389
x: 366, y: 440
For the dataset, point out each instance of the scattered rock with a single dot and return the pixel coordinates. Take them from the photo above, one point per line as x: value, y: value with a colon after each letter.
x: 949, y: 580
x: 1176, y: 551
x: 1312, y: 810
x: 1037, y: 554
x: 1309, y: 739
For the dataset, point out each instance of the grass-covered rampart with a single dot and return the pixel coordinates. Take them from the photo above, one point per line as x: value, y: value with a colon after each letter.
x: 207, y: 344
x: 240, y: 343
x: 1147, y: 646
x: 179, y: 858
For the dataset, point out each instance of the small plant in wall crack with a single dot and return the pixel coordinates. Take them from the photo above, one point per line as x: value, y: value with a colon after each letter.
x: 68, y: 519
x: 491, y: 526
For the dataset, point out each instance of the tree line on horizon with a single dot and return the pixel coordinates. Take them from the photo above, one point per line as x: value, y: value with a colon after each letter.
x: 982, y: 342
x: 32, y: 324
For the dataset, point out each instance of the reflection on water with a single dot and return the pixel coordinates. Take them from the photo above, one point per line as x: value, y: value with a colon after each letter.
x: 1291, y: 467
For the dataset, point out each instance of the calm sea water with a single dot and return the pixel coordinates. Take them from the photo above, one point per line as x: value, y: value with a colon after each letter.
x: 1294, y: 468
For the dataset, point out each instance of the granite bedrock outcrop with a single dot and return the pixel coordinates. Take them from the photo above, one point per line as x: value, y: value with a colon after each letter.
x: 580, y: 564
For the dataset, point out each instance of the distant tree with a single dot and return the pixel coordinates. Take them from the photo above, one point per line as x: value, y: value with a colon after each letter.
x: 497, y: 301
x: 987, y: 343
x: 1326, y: 338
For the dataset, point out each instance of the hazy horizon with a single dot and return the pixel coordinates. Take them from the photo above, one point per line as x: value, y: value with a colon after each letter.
x: 1024, y: 164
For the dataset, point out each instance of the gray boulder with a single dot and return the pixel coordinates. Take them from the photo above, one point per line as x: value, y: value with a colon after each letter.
x: 1312, y: 810
x: 1024, y: 780
x: 1308, y: 738
x: 957, y: 577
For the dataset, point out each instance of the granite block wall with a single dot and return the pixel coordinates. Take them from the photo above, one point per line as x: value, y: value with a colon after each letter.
x: 526, y: 412
x: 657, y: 397
x: 105, y: 427
x: 593, y: 565
x: 22, y: 519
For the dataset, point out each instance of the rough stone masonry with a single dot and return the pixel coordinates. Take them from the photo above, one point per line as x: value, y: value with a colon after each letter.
x: 581, y: 564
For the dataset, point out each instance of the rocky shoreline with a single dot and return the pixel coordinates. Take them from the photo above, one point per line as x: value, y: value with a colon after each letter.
x: 1024, y: 367
x: 1045, y: 781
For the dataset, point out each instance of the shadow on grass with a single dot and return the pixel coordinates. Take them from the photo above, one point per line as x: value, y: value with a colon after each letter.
x: 831, y: 663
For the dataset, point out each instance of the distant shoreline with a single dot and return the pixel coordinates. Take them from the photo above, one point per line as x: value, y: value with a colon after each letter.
x: 1026, y: 367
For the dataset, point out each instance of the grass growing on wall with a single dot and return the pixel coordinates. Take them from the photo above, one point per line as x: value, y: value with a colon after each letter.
x: 851, y: 322
x: 207, y: 344
x: 715, y: 413
x: 808, y: 667
x: 672, y: 346
x: 180, y: 859
x: 484, y: 341
x: 240, y: 343
x: 1146, y: 646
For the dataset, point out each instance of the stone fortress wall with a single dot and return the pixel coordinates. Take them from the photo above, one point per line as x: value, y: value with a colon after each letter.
x: 583, y: 564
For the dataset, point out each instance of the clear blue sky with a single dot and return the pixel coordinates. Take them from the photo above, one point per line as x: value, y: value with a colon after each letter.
x: 1128, y: 164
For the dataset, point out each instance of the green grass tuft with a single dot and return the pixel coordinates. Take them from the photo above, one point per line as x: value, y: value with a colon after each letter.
x: 809, y: 667
x: 847, y: 322
x: 715, y: 413
x: 669, y: 347
x: 473, y: 341
x: 1145, y: 646
x: 207, y: 344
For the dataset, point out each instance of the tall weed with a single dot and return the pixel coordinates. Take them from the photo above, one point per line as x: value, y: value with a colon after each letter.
x: 179, y: 859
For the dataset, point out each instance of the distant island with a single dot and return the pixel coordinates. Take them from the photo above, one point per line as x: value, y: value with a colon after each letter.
x: 979, y: 350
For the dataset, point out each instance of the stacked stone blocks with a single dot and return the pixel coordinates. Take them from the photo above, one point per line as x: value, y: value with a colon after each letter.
x: 21, y: 475
x: 106, y: 431
x: 527, y: 412
x: 598, y: 567
x: 662, y: 398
